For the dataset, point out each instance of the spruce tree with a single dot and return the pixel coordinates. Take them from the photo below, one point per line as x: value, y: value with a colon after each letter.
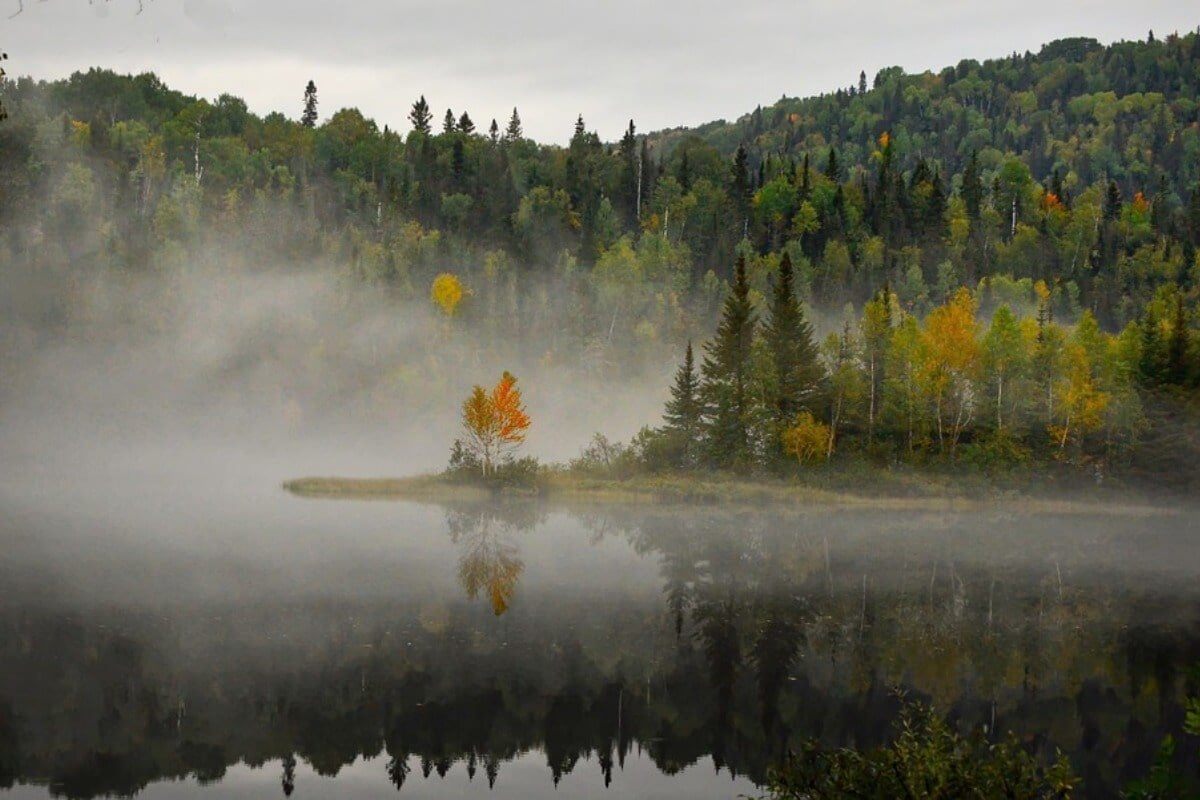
x: 683, y: 411
x: 972, y: 187
x: 420, y: 116
x: 789, y: 338
x: 465, y: 124
x: 1112, y: 201
x: 309, y: 118
x: 1152, y: 359
x: 740, y: 191
x: 494, y: 131
x: 684, y: 174
x: 832, y: 170
x: 862, y: 82
x: 448, y: 125
x: 1178, y: 344
x: 513, y: 132
x: 724, y: 375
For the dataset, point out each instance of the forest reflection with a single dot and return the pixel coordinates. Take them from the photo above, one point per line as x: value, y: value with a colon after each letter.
x: 757, y: 630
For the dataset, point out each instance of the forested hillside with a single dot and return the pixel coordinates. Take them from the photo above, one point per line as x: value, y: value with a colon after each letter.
x: 1062, y: 185
x: 1077, y: 165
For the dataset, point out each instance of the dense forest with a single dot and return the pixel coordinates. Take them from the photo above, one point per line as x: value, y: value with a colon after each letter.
x: 1005, y: 252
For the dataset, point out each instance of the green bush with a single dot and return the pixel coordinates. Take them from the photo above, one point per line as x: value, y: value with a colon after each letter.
x: 466, y: 467
x: 926, y: 760
x: 997, y: 452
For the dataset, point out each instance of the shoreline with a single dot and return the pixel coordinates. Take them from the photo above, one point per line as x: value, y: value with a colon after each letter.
x: 681, y: 490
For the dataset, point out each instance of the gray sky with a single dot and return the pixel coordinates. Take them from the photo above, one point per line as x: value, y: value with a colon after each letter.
x: 663, y: 64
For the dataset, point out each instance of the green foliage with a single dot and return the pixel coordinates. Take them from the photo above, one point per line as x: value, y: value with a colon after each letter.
x: 927, y: 759
x: 726, y: 377
x: 683, y: 414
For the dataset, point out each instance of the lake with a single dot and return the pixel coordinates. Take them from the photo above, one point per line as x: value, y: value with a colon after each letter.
x: 242, y: 642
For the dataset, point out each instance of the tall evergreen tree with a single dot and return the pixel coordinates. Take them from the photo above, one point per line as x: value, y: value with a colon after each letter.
x: 420, y: 116
x: 1178, y: 345
x: 972, y: 187
x: 494, y: 131
x: 465, y: 124
x: 833, y: 170
x: 684, y: 172
x: 789, y: 337
x: 513, y: 131
x: 1112, y: 201
x: 740, y: 190
x: 683, y: 412
x: 309, y: 118
x: 448, y: 125
x: 725, y: 377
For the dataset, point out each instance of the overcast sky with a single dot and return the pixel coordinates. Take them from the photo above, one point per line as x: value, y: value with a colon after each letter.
x: 661, y: 63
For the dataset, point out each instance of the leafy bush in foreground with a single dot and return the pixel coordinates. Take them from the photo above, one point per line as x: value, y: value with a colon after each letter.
x: 926, y: 761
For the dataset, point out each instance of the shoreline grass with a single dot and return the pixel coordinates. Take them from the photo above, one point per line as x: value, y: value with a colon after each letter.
x: 721, y: 490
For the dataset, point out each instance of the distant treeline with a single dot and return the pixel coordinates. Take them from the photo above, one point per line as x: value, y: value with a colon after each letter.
x: 1064, y: 185
x: 1078, y: 166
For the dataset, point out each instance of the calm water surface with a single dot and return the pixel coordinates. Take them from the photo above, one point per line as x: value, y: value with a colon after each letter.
x: 244, y: 643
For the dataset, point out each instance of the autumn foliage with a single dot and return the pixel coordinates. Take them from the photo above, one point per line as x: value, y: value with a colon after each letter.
x: 494, y: 423
x: 807, y: 440
x: 447, y: 293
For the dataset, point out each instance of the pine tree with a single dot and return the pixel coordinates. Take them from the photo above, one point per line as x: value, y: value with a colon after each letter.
x: 580, y: 129
x: 465, y: 124
x: 420, y: 116
x: 724, y: 376
x: 494, y: 131
x: 1151, y: 365
x: 309, y: 118
x: 862, y: 82
x: 972, y: 187
x: 1112, y: 201
x: 448, y: 125
x: 3, y: 110
x: 740, y: 188
x: 683, y: 412
x: 832, y: 170
x: 684, y: 173
x: 789, y: 337
x: 513, y: 132
x: 1178, y: 344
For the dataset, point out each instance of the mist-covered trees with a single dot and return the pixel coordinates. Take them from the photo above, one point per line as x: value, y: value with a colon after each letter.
x: 1071, y: 170
x: 494, y: 424
x: 947, y: 385
x: 726, y: 378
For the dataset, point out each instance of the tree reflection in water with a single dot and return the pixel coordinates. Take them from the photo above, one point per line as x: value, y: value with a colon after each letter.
x: 761, y: 629
x: 490, y: 562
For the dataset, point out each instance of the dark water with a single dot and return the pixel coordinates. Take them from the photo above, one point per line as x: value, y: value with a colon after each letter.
x: 168, y: 645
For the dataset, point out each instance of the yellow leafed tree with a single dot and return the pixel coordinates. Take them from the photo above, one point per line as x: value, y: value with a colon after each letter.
x: 807, y: 440
x: 495, y: 423
x: 447, y: 292
x: 951, y: 365
x: 1083, y: 403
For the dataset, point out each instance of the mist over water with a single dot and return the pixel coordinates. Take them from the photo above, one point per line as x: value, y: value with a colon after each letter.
x: 174, y: 624
x: 171, y: 633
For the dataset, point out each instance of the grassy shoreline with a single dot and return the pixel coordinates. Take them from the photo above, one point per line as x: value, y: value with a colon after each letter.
x: 923, y: 494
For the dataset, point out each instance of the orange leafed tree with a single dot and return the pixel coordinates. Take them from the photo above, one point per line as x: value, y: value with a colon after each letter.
x: 495, y: 422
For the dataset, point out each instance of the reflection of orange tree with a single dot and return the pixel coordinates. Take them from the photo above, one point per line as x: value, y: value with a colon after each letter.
x: 490, y: 562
